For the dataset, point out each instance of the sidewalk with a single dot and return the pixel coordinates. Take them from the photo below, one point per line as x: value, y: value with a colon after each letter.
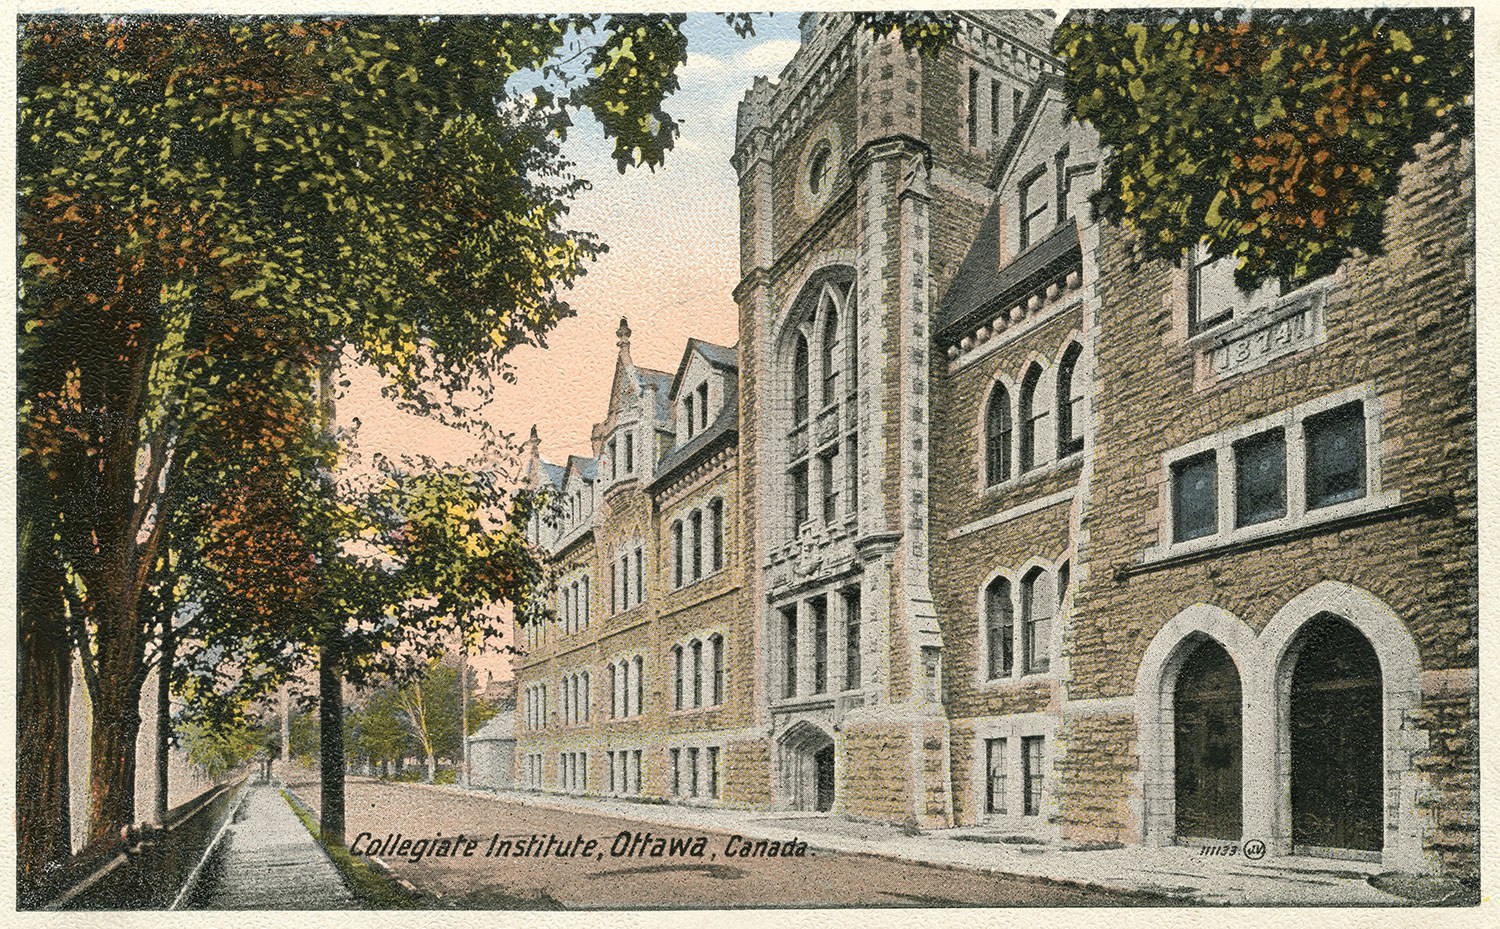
x: 1175, y: 871
x: 271, y: 862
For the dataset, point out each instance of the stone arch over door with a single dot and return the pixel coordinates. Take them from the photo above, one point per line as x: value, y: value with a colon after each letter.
x: 1157, y: 681
x: 806, y: 769
x: 1305, y: 619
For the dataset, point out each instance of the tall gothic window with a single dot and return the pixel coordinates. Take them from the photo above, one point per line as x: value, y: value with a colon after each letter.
x: 800, y: 374
x: 997, y: 437
x: 830, y: 355
x: 1069, y: 403
x: 677, y: 554
x: 1032, y: 414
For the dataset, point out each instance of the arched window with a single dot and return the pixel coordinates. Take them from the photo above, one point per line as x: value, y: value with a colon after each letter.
x: 830, y: 355
x: 997, y: 437
x: 716, y: 645
x: 999, y: 629
x: 640, y: 686
x: 697, y: 649
x: 587, y: 701
x: 677, y: 553
x: 1069, y: 403
x: 799, y: 382
x: 716, y: 534
x: 1037, y: 604
x: 696, y: 522
x: 614, y: 691
x: 677, y: 674
x: 1031, y: 417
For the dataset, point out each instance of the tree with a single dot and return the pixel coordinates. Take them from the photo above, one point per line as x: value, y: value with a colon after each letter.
x: 1275, y: 136
x: 372, y: 189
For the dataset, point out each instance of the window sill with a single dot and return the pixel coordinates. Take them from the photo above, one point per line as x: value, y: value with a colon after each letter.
x: 694, y: 583
x: 1036, y: 473
x: 1377, y: 509
x: 692, y: 710
x: 1015, y: 681
x: 807, y: 702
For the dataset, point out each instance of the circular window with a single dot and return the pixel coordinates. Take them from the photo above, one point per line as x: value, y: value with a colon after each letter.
x: 820, y: 168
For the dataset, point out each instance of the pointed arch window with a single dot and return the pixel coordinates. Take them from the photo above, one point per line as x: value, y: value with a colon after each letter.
x: 998, y: 433
x: 1069, y: 403
x: 830, y: 354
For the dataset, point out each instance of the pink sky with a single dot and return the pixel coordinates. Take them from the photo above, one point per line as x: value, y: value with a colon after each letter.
x: 672, y: 264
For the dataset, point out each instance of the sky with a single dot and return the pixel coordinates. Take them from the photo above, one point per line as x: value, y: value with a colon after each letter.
x: 673, y: 260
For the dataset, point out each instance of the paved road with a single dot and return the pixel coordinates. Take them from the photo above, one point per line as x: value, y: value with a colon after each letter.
x: 267, y: 860
x: 821, y: 879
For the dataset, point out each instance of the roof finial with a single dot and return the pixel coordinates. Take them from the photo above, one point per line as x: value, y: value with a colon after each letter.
x: 622, y: 337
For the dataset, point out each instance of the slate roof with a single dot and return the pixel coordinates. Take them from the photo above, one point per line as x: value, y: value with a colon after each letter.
x: 553, y: 473
x: 725, y: 357
x: 588, y: 468
x: 726, y: 425
x: 663, y: 383
x: 980, y: 288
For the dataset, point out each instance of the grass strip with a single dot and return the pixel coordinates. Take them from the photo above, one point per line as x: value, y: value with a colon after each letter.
x: 369, y: 884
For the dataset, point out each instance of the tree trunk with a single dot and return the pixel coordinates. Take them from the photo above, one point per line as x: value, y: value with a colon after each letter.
x: 117, y: 719
x: 431, y: 768
x: 164, y: 717
x: 331, y: 741
x: 463, y: 713
x: 45, y: 682
x: 286, y: 730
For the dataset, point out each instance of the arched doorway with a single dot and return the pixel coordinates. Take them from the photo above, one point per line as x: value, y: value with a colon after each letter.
x: 1207, y: 743
x: 1336, y: 737
x: 807, y: 768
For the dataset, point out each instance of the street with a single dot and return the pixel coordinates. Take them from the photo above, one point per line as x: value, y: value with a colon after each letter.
x: 622, y: 873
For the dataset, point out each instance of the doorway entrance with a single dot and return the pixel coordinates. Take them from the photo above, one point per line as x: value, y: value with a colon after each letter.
x: 806, y: 765
x: 1336, y: 735
x: 1207, y: 744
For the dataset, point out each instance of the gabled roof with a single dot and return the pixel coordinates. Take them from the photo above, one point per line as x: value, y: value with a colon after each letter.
x: 980, y: 288
x: 723, y: 357
x: 553, y: 473
x: 724, y: 428
x: 1018, y: 132
x: 587, y: 468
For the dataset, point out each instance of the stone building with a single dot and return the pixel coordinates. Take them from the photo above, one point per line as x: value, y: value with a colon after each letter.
x: 986, y: 521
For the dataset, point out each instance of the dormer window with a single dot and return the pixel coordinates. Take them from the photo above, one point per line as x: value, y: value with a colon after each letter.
x: 703, y: 405
x: 1034, y: 206
x: 629, y: 453
x: 687, y: 414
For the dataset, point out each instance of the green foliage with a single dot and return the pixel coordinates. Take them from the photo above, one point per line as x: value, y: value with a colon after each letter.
x: 926, y: 33
x: 1275, y: 136
x: 219, y: 749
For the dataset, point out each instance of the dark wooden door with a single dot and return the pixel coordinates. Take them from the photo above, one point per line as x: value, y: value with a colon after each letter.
x: 1337, y: 778
x: 823, y: 763
x: 1207, y: 745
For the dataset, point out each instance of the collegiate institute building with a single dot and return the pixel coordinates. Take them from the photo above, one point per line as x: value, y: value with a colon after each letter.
x: 987, y: 521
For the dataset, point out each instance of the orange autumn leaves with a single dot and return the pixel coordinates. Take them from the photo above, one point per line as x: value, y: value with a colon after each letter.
x: 1275, y: 136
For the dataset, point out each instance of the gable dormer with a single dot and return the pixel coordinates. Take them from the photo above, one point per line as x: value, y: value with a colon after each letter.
x: 1046, y: 172
x: 701, y: 388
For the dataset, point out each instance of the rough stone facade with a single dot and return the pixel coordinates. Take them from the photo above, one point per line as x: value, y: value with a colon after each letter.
x: 999, y: 501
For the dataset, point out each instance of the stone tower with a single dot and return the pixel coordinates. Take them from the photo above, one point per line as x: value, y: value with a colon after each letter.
x: 862, y: 174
